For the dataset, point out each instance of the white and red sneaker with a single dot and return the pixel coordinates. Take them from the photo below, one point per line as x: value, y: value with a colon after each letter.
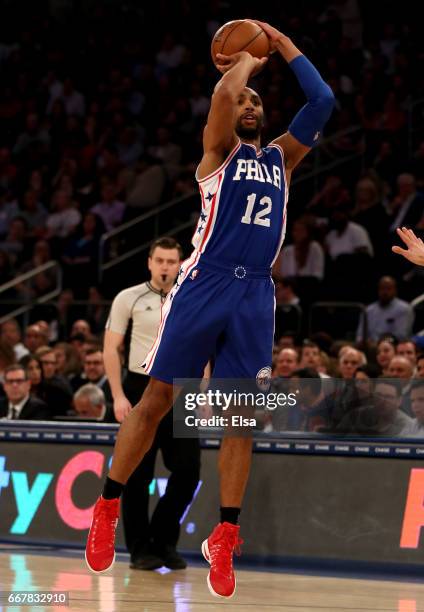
x: 100, y: 549
x: 218, y: 551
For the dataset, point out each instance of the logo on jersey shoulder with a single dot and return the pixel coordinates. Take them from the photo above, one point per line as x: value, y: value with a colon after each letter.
x: 252, y: 170
x: 263, y: 378
x: 194, y: 274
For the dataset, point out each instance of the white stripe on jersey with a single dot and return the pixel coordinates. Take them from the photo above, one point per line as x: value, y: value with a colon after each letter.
x: 186, y: 266
x: 286, y: 197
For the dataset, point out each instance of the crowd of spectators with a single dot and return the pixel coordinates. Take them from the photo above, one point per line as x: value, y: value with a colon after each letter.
x: 101, y: 116
x: 49, y: 380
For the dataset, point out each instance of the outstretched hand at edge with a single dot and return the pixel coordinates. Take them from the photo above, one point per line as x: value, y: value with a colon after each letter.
x: 415, y: 246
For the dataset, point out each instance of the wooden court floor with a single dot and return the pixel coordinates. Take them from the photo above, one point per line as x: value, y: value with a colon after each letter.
x: 186, y: 591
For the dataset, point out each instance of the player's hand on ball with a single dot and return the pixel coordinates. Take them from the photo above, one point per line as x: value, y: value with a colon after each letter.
x: 121, y: 407
x: 273, y: 34
x: 226, y: 62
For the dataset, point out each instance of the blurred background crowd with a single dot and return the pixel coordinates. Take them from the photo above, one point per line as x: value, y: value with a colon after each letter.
x: 102, y: 108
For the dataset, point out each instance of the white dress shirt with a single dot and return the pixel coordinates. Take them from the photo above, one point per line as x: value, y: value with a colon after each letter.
x: 17, y: 408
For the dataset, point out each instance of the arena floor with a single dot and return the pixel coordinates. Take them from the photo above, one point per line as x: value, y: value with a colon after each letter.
x: 186, y: 591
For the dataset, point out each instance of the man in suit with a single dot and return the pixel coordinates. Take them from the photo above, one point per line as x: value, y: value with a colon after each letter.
x: 18, y: 404
x: 94, y: 373
x: 406, y: 208
x: 90, y: 403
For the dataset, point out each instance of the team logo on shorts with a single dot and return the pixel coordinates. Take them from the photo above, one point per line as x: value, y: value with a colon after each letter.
x: 194, y: 274
x: 263, y: 378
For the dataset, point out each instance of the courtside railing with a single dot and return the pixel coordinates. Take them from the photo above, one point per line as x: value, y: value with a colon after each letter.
x: 24, y: 298
x: 121, y: 243
x: 134, y: 237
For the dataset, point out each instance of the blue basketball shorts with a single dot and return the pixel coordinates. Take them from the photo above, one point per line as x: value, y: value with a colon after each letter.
x: 215, y: 311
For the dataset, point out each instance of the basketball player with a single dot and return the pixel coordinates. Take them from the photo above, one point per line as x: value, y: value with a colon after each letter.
x: 151, y: 543
x: 415, y: 246
x: 223, y: 301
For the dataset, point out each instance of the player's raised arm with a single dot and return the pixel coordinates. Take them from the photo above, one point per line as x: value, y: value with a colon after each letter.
x: 307, y: 125
x: 219, y: 136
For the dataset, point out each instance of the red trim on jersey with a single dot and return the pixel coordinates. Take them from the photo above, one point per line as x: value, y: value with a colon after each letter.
x: 210, y: 214
x: 222, y: 166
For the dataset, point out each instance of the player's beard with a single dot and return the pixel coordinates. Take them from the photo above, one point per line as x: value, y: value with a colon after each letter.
x: 249, y: 132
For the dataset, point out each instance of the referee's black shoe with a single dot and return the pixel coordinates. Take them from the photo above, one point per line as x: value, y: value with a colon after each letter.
x: 172, y: 559
x: 146, y: 560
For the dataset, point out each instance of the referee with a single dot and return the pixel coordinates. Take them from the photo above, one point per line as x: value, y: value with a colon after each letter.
x: 151, y: 543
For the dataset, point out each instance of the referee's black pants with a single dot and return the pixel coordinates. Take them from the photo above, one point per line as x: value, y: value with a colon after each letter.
x: 182, y: 458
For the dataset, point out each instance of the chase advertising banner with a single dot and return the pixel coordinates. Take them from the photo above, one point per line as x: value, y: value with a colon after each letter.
x: 299, y: 506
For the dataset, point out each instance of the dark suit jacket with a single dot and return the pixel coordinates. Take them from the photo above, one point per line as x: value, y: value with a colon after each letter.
x: 413, y: 214
x: 33, y: 410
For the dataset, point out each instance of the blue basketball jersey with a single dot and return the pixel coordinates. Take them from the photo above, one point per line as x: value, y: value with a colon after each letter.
x: 243, y: 217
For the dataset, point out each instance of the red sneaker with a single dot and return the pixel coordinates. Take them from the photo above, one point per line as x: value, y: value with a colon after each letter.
x: 100, y: 549
x: 218, y: 551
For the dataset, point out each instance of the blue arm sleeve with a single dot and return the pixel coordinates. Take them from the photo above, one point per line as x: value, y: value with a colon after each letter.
x: 307, y: 125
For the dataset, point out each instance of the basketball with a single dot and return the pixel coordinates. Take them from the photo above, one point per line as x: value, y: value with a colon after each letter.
x: 240, y: 35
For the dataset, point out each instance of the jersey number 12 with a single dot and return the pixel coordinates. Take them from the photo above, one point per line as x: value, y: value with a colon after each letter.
x: 260, y: 217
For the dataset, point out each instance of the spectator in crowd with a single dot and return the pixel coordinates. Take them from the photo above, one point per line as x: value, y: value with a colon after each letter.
x: 400, y: 367
x: 16, y: 242
x: 81, y: 326
x: 285, y: 292
x: 110, y: 210
x: 305, y: 414
x: 8, y: 209
x: 48, y: 361
x: 287, y: 340
x: 408, y: 349
x: 72, y: 100
x: 416, y: 428
x: 90, y: 403
x: 93, y: 372
x: 167, y: 152
x: 18, y: 404
x: 97, y: 310
x: 406, y: 208
x: 64, y: 219
x: 11, y: 335
x: 43, y: 282
x: 332, y: 195
x: 389, y: 315
x: 386, y: 350
x: 420, y: 366
x: 287, y: 361
x: 67, y: 360
x: 33, y: 142
x: 35, y: 338
x: 305, y: 257
x: 7, y: 357
x: 81, y: 255
x: 346, y: 237
x: 6, y: 269
x: 33, y: 212
x: 349, y: 360
x: 310, y: 357
x: 391, y: 421
x: 51, y: 390
x: 369, y: 212
x: 45, y: 329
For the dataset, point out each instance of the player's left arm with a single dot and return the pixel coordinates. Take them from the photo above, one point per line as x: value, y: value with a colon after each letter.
x: 307, y: 125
